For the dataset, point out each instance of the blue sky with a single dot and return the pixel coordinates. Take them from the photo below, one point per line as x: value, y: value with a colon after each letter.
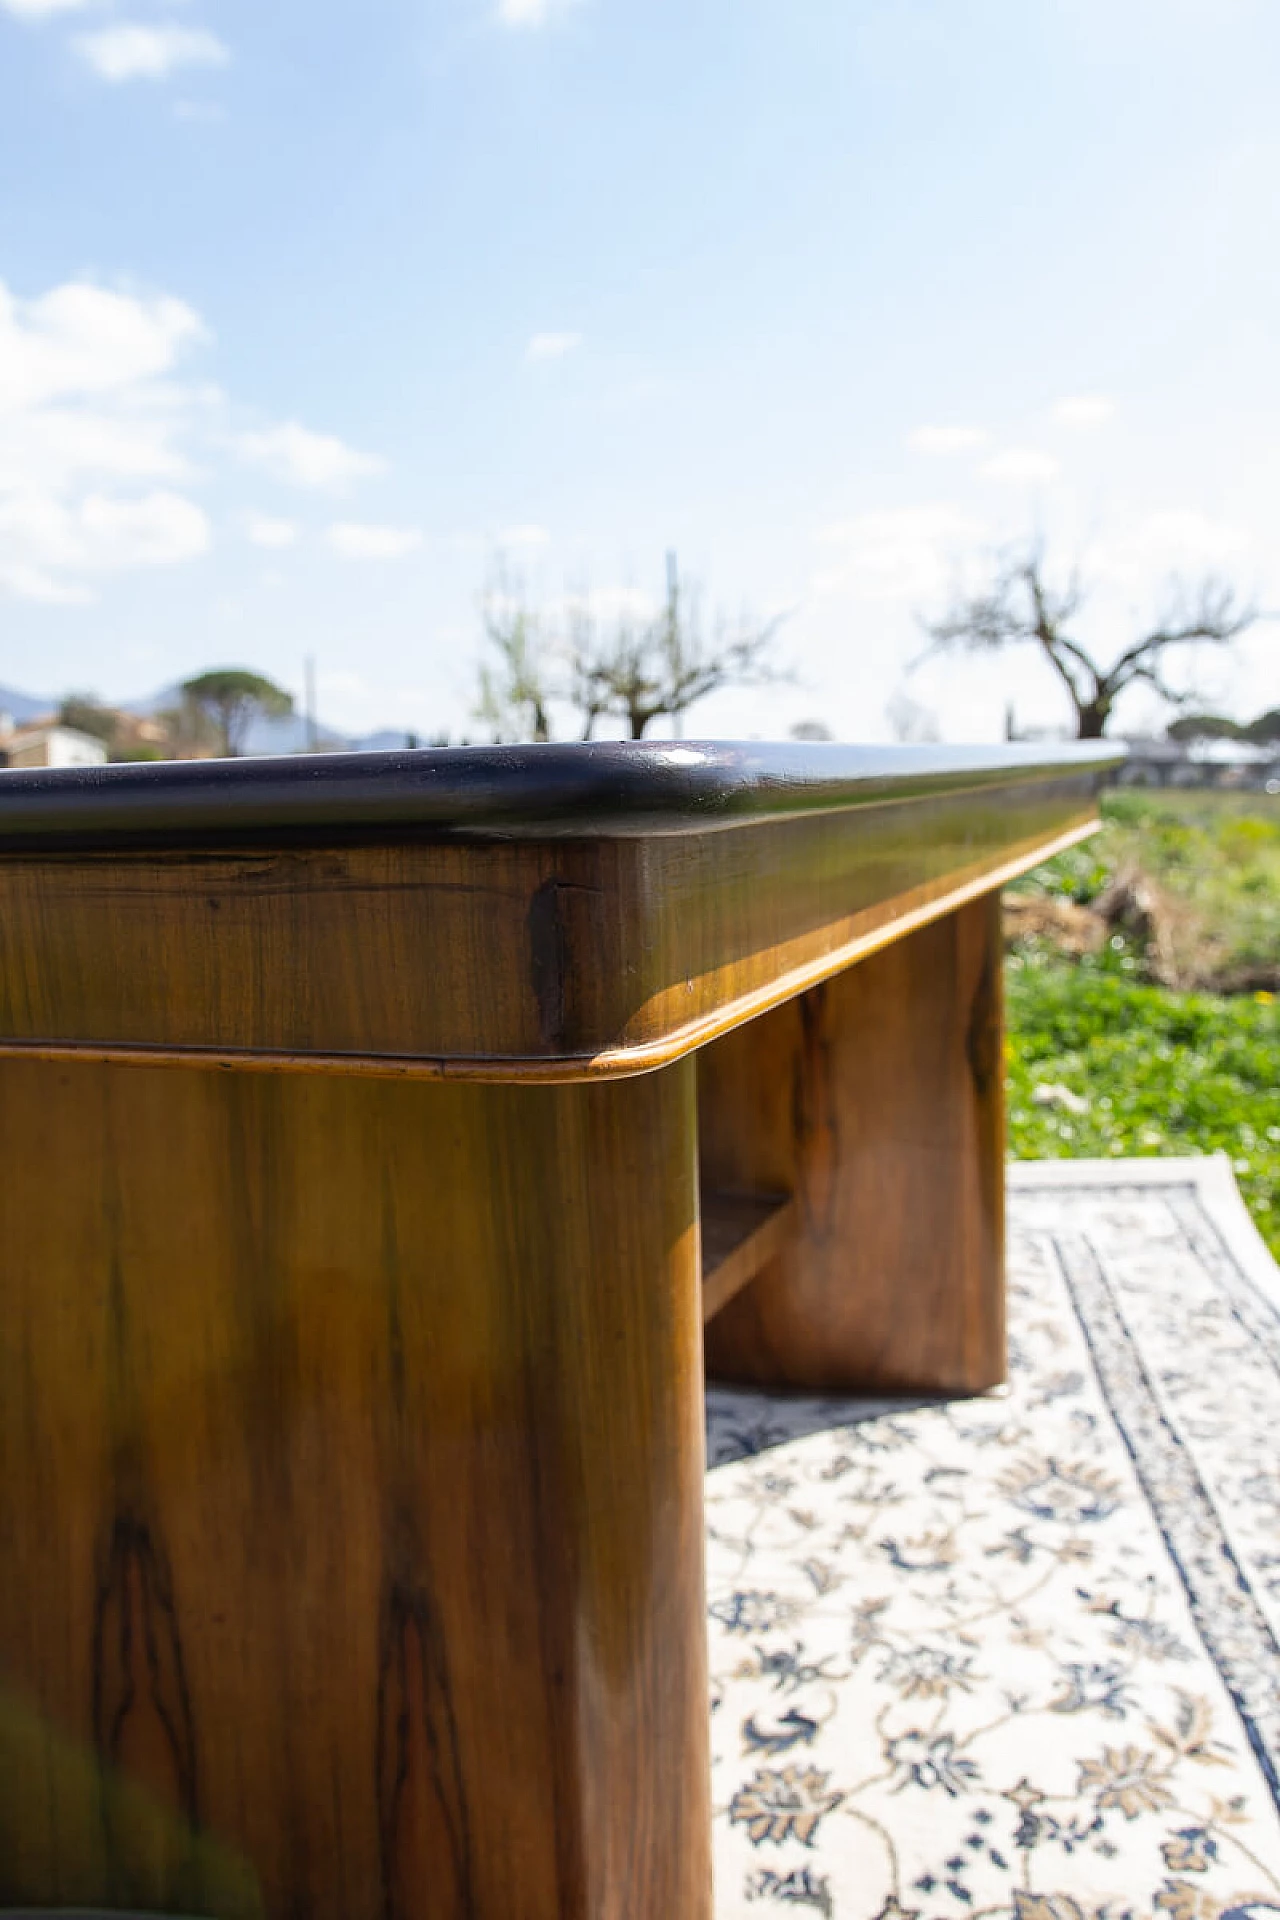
x: 308, y: 313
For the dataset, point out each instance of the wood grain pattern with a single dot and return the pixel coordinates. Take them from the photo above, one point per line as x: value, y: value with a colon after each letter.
x: 741, y: 1233
x: 351, y: 1465
x: 495, y: 960
x: 877, y: 1099
x: 351, y: 1405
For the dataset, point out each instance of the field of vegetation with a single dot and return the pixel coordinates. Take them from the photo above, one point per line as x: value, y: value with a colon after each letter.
x: 1143, y: 973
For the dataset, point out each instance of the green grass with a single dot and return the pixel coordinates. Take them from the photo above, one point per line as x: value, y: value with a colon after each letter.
x: 1162, y: 1072
x: 1215, y: 859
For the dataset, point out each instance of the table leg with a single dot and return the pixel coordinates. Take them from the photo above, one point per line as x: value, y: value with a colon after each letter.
x: 351, y: 1457
x: 878, y: 1100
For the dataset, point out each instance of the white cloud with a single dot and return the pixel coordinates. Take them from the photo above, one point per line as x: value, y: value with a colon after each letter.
x: 56, y: 448
x: 44, y: 540
x: 605, y: 605
x: 1083, y: 410
x: 523, y: 539
x: 946, y: 439
x: 552, y: 346
x: 132, y: 52
x: 531, y: 13
x: 608, y: 604
x: 902, y: 553
x: 80, y: 339
x: 1020, y: 467
x: 42, y: 9
x: 90, y: 414
x: 98, y: 429
x: 264, y: 531
x: 294, y: 454
x: 101, y: 434
x: 26, y: 582
x: 1179, y: 542
x: 353, y: 540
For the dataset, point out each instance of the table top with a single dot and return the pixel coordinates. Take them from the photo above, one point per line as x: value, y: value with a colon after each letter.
x: 502, y: 913
x: 587, y: 789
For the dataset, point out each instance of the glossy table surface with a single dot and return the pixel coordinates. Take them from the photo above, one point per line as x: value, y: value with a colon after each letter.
x: 553, y: 913
x: 588, y: 789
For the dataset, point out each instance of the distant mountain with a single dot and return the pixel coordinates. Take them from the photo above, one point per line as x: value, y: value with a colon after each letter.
x: 152, y: 702
x: 286, y: 735
x: 22, y: 707
x: 289, y: 735
x: 387, y: 740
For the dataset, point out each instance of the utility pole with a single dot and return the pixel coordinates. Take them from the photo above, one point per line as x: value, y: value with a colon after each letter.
x: 312, y: 733
x: 673, y: 615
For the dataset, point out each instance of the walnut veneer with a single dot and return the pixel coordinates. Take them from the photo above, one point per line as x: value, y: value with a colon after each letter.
x: 352, y: 1119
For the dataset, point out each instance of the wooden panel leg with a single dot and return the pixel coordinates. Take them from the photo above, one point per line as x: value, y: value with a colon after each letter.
x: 351, y: 1457
x: 878, y: 1100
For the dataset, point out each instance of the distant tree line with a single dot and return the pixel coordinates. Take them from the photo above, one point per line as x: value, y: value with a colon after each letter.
x: 1195, y: 729
x: 213, y: 715
x: 629, y: 670
x: 582, y: 669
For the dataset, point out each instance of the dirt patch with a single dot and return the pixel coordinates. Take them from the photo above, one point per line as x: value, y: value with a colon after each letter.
x: 1072, y: 929
x: 1166, y: 934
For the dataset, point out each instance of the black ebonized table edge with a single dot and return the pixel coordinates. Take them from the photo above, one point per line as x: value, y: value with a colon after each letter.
x: 602, y: 789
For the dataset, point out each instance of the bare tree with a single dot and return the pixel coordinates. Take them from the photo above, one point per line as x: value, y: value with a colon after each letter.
x: 636, y: 668
x: 515, y: 687
x: 1022, y: 607
x: 640, y: 670
x: 911, y: 722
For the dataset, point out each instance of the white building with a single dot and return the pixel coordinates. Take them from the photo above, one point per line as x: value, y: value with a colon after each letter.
x: 50, y: 746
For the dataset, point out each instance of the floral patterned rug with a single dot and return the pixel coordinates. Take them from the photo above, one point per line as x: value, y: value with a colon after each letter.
x: 1020, y: 1655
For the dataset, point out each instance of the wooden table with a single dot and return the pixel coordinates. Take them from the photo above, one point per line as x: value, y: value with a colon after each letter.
x: 354, y: 1117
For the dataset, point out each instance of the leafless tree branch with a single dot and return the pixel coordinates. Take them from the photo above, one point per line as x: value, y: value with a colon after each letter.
x: 1021, y: 607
